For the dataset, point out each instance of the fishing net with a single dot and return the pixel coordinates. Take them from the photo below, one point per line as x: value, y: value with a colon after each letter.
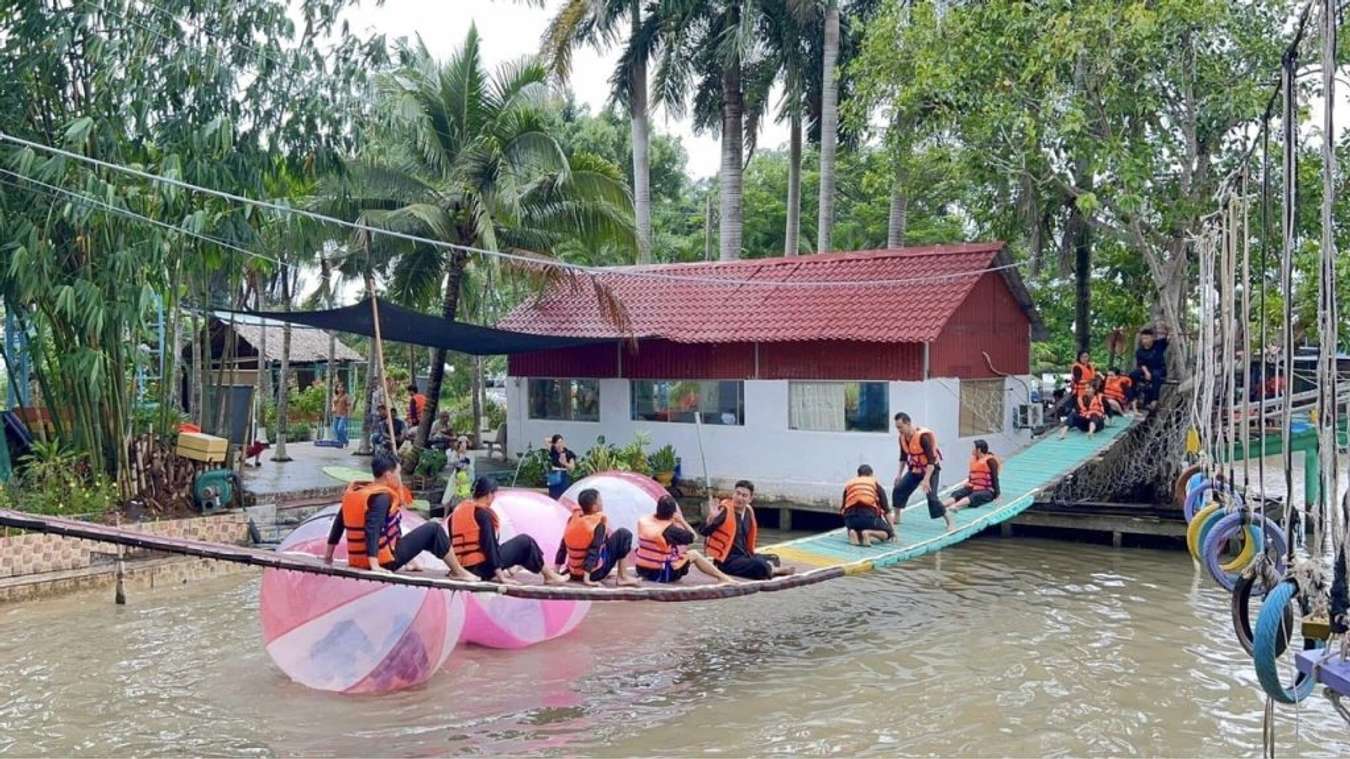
x: 1141, y: 467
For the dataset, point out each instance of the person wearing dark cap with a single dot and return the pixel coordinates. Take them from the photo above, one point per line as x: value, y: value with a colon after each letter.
x: 473, y: 536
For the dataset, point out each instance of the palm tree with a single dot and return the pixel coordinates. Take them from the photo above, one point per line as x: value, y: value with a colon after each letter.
x: 708, y: 46
x: 469, y: 162
x: 787, y: 37
x: 599, y: 23
x: 829, y: 126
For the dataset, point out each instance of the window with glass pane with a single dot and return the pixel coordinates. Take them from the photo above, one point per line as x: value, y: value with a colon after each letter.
x: 717, y: 402
x: 981, y: 407
x: 838, y: 406
x: 566, y: 400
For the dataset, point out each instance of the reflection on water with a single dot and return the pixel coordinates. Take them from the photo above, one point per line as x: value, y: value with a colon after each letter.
x: 999, y: 647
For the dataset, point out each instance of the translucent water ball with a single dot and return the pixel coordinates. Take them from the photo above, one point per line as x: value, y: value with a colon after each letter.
x: 627, y: 497
x: 501, y: 622
x: 353, y: 636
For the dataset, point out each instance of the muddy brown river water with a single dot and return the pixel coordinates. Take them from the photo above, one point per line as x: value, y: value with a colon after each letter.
x: 999, y: 647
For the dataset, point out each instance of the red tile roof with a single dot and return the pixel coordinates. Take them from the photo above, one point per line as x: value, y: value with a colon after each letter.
x: 720, y: 306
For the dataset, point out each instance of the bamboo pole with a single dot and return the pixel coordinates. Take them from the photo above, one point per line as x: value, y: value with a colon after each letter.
x: 379, y: 358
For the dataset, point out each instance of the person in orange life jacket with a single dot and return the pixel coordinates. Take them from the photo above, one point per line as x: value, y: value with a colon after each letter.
x: 865, y: 511
x: 588, y: 551
x: 417, y: 405
x: 662, y: 554
x: 919, y: 457
x: 370, y: 517
x: 1088, y: 415
x: 729, y: 538
x: 1115, y: 392
x: 473, y: 536
x: 1082, y: 375
x: 980, y: 486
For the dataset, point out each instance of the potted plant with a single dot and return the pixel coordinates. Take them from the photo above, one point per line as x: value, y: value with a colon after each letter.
x: 662, y: 462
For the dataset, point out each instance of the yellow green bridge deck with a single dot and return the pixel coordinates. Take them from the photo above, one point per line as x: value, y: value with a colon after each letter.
x: 1023, y: 477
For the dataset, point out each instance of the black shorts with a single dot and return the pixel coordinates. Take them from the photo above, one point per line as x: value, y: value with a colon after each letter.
x: 749, y: 567
x: 670, y: 574
x: 977, y: 497
x: 859, y: 519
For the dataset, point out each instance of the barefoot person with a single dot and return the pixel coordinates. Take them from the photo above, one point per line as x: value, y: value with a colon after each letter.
x: 589, y: 552
x: 473, y: 535
x: 1088, y: 414
x: 1116, y: 392
x: 866, y: 514
x: 371, y: 517
x: 662, y: 554
x: 980, y: 486
x: 919, y: 456
x: 729, y: 538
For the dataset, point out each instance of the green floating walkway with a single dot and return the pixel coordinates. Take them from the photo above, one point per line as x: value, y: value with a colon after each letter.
x: 1024, y: 475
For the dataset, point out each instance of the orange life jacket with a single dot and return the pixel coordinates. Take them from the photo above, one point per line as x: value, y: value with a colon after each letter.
x: 578, y: 536
x: 1093, y: 410
x: 355, y: 502
x: 861, y: 493
x: 720, y: 542
x: 653, y: 551
x: 1116, y: 387
x: 913, y: 448
x: 1086, y: 373
x: 464, y: 533
x: 981, y: 474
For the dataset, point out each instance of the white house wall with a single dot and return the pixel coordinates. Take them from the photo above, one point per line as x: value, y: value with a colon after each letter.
x: 793, y: 465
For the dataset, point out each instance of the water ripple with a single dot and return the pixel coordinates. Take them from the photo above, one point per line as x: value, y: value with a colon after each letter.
x: 999, y: 648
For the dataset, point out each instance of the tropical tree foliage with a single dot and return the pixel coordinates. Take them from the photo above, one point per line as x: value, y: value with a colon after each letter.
x: 240, y: 96
x: 1097, y: 122
x: 468, y: 159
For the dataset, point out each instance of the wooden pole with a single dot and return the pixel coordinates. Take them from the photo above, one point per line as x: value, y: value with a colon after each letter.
x: 120, y: 591
x: 379, y: 353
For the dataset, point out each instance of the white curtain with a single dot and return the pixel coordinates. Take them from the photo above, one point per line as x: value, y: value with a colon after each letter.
x: 816, y: 406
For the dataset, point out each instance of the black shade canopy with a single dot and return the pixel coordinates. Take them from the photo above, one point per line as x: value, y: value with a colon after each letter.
x: 400, y: 325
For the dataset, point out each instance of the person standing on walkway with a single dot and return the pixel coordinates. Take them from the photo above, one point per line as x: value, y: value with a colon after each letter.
x: 561, y: 462
x: 919, y: 459
x: 342, y: 408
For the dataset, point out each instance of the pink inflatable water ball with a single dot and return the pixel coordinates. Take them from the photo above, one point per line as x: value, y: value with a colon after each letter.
x: 353, y: 636
x: 627, y: 496
x: 499, y: 622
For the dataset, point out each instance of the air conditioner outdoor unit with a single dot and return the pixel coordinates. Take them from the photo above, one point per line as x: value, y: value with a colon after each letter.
x: 1029, y: 416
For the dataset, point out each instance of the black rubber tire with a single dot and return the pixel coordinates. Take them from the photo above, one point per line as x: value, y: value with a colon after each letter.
x: 1241, y: 607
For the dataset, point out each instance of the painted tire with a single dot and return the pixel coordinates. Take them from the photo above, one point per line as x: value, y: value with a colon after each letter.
x: 1202, y: 532
x: 1195, y: 501
x: 1182, y: 485
x: 1241, y: 608
x: 1269, y: 630
x: 1227, y: 574
x: 1194, y: 498
x: 1193, y: 537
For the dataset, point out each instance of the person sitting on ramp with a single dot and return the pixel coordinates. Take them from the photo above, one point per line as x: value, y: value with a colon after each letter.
x: 729, y: 537
x: 371, y: 516
x: 663, y: 554
x: 865, y: 511
x: 981, y: 485
x: 473, y: 535
x: 589, y: 552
